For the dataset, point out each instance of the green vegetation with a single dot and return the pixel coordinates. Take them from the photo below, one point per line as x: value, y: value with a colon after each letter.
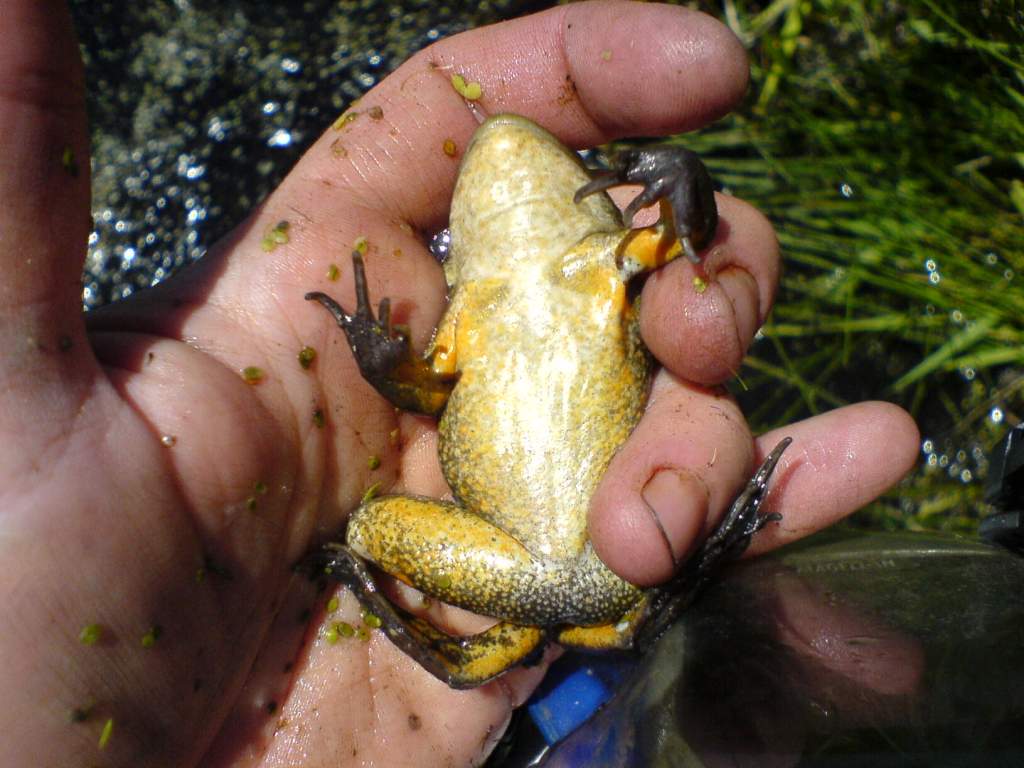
x: 885, y: 140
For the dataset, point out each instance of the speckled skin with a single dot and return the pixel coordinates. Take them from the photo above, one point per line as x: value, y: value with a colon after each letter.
x: 541, y: 374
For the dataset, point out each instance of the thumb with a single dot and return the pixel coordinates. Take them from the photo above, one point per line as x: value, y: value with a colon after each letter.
x: 44, y: 203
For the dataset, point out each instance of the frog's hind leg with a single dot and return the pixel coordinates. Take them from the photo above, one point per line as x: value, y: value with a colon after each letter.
x: 460, y: 662
x: 620, y: 635
x: 726, y: 543
x: 658, y: 608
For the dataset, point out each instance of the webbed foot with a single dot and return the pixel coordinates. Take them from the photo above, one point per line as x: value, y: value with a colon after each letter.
x: 673, y: 174
x: 728, y: 541
x: 732, y: 536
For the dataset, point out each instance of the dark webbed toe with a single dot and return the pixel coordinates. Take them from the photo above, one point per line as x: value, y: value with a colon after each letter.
x: 670, y: 173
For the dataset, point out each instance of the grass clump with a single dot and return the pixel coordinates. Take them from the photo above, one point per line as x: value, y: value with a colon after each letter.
x: 886, y: 143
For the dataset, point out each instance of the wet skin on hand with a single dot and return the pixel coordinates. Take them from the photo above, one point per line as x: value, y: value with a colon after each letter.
x: 538, y: 374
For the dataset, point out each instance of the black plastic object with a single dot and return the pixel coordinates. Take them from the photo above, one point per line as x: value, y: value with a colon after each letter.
x: 846, y: 649
x: 1005, y: 491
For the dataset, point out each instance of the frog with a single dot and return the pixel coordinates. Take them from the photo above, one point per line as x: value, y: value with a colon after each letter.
x: 537, y: 374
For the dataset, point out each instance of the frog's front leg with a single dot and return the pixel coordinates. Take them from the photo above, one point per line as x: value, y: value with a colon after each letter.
x: 677, y: 178
x: 383, y: 352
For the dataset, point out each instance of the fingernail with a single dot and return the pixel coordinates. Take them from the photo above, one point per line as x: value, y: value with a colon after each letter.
x: 678, y: 501
x: 741, y: 288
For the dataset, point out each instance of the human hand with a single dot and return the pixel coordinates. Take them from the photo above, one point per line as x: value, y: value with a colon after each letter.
x: 146, y: 483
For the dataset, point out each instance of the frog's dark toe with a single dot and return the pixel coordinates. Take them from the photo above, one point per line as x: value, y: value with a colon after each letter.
x: 670, y: 173
x: 378, y: 348
x: 728, y: 541
x: 744, y: 519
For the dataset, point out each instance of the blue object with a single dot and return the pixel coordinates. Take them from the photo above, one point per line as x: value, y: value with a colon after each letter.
x: 574, y: 689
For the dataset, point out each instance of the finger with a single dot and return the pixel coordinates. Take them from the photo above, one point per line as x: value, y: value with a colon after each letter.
x: 44, y: 188
x: 576, y: 69
x: 670, y: 482
x: 699, y: 320
x: 838, y: 462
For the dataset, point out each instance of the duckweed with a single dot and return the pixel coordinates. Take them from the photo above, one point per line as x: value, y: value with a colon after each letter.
x: 306, y: 357
x: 149, y: 639
x: 471, y: 91
x: 106, y: 733
x: 276, y: 235
x: 90, y: 634
x: 252, y: 374
x: 371, y: 493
